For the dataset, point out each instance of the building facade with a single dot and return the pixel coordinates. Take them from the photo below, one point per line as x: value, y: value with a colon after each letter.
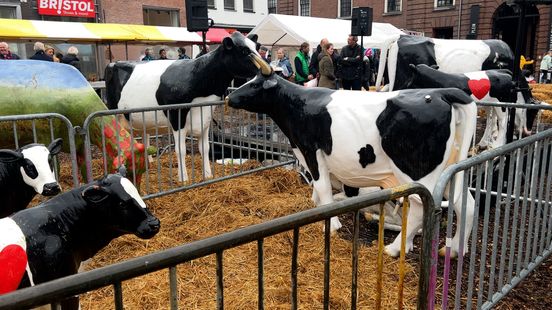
x: 451, y: 19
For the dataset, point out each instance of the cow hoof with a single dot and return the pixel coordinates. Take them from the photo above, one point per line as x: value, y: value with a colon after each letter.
x: 391, y: 251
x: 443, y: 252
x: 369, y: 217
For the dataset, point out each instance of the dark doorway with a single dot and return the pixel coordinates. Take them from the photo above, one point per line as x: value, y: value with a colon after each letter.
x: 442, y: 33
x: 505, y: 23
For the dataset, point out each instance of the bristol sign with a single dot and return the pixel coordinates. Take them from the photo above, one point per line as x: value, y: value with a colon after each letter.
x: 75, y: 8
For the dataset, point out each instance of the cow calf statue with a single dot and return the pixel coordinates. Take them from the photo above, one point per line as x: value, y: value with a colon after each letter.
x: 51, y: 240
x: 369, y: 139
x: 26, y: 172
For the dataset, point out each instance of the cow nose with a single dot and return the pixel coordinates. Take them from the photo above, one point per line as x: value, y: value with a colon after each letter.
x: 51, y: 189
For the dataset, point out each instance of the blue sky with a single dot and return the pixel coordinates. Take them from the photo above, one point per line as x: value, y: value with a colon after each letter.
x: 46, y: 74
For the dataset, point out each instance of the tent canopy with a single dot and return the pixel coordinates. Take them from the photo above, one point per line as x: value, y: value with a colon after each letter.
x: 19, y: 29
x: 289, y: 30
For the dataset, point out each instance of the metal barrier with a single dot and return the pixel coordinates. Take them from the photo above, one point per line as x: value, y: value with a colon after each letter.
x: 511, y: 186
x: 18, y: 130
x: 233, y: 137
x: 114, y: 274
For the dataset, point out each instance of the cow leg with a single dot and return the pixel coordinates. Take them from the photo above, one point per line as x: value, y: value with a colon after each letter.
x: 322, y: 189
x: 470, y: 207
x: 413, y: 224
x: 180, y: 148
x: 501, y: 123
x: 203, y: 144
x: 487, y: 134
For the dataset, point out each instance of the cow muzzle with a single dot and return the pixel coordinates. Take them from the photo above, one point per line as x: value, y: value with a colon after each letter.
x: 51, y: 189
x: 148, y: 228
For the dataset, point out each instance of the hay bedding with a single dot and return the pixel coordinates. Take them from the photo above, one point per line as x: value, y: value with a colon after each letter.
x: 225, y: 206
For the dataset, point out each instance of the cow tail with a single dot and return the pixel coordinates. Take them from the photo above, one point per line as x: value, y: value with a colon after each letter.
x: 465, y: 111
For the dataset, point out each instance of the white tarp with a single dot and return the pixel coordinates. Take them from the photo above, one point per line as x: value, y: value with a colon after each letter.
x: 289, y: 30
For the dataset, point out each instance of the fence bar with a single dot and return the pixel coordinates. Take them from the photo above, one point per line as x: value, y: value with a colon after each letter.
x: 326, y: 264
x: 471, y: 274
x: 462, y: 229
x: 294, y: 254
x: 497, y: 208
x: 379, y: 279
x: 402, y: 259
x: 260, y: 273
x: 220, y: 282
x: 118, y: 290
x: 173, y: 284
x: 354, y: 276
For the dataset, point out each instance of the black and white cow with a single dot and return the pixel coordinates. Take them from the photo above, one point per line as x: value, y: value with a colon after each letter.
x: 26, y: 172
x: 158, y: 83
x: 51, y: 240
x: 487, y: 86
x: 452, y: 56
x: 368, y: 138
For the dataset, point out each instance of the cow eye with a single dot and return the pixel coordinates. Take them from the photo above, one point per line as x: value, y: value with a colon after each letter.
x: 30, y: 169
x: 245, y: 51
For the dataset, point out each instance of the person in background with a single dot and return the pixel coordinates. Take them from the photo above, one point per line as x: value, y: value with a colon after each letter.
x: 148, y: 55
x: 204, y: 51
x: 5, y: 52
x: 351, y: 64
x: 51, y: 52
x: 182, y: 53
x: 40, y: 52
x: 59, y: 56
x: 326, y: 67
x: 283, y: 62
x: 162, y: 54
x: 263, y: 51
x: 301, y: 61
x: 71, y: 57
x: 313, y: 66
x: 545, y: 65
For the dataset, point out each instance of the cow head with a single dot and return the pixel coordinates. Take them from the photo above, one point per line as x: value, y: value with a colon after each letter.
x: 238, y: 55
x: 121, y: 207
x: 254, y: 96
x: 420, y: 73
x: 35, y: 165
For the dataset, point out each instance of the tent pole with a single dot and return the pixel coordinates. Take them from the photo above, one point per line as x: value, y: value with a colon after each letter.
x: 280, y: 38
x: 126, y: 50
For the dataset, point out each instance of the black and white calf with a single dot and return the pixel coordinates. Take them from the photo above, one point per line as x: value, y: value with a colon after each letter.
x: 367, y: 138
x: 452, y: 56
x: 487, y: 86
x: 157, y: 83
x: 26, y: 172
x: 51, y: 240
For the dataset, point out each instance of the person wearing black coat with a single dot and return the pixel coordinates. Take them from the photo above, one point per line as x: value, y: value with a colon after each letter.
x: 71, y: 57
x: 351, y: 64
x: 314, y: 62
x: 40, y: 53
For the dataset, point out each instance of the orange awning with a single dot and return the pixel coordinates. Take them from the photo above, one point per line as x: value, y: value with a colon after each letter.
x: 216, y: 35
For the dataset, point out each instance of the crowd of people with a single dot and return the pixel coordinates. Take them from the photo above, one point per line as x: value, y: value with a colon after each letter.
x: 353, y: 68
x: 44, y: 52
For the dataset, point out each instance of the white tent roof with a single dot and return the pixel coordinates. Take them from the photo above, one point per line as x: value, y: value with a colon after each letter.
x: 290, y: 30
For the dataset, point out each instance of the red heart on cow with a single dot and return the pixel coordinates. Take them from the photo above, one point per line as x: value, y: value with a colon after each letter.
x: 479, y: 88
x: 13, y: 261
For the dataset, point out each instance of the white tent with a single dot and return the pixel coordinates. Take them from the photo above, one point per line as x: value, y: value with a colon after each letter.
x: 291, y: 31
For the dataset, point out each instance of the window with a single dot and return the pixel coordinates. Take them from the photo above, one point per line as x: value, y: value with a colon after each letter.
x: 443, y: 3
x: 272, y: 6
x: 442, y: 33
x: 161, y: 17
x: 304, y: 7
x: 229, y: 5
x: 392, y: 6
x: 345, y: 8
x: 248, y: 5
x: 211, y: 4
x: 8, y: 12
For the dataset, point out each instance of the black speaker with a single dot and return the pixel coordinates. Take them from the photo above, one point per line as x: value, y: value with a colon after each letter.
x: 361, y: 21
x: 197, y: 18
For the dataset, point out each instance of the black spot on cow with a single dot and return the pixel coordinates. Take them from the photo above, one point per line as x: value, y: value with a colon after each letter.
x: 500, y: 57
x: 412, y: 50
x: 414, y: 133
x: 116, y: 76
x: 366, y: 155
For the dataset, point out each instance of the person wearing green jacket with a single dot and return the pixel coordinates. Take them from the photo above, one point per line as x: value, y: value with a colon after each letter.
x: 301, y: 61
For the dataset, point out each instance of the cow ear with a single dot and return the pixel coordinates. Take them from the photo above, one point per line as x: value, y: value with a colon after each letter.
x: 253, y: 37
x: 412, y: 67
x: 9, y: 156
x: 55, y: 146
x: 228, y: 43
x: 269, y: 83
x: 95, y: 194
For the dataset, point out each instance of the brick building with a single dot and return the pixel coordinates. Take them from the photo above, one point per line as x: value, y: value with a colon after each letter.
x: 452, y: 19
